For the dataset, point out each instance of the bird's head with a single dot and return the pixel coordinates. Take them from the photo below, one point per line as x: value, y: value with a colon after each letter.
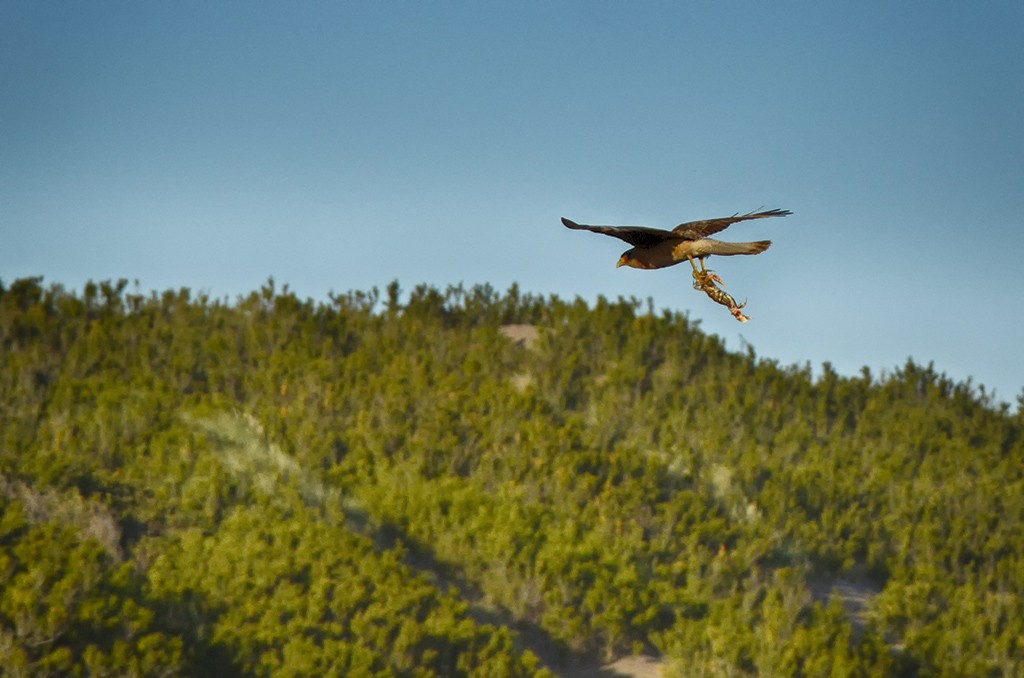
x: 628, y: 258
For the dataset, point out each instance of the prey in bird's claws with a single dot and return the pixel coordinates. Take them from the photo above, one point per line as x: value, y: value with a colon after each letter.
x: 707, y: 281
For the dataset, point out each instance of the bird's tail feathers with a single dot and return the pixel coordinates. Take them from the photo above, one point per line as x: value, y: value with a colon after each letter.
x: 729, y: 248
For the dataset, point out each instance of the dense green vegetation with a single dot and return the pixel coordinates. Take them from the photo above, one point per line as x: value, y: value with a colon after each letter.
x: 379, y: 486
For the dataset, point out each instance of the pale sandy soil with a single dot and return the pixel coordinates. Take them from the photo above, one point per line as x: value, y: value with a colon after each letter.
x: 524, y: 335
x: 640, y: 666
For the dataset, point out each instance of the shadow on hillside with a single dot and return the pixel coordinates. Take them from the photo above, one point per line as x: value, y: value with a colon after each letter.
x: 553, y: 654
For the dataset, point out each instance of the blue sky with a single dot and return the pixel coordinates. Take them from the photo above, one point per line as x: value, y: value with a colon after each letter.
x: 338, y: 146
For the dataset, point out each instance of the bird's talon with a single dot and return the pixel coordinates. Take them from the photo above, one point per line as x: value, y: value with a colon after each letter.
x: 706, y: 275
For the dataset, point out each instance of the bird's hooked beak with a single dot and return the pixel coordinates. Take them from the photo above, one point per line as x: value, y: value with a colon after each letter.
x: 623, y: 261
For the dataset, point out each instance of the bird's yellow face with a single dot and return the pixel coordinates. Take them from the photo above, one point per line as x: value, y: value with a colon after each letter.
x: 630, y: 259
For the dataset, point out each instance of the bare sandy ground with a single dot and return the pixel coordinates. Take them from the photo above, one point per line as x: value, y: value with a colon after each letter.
x: 640, y: 666
x: 524, y: 335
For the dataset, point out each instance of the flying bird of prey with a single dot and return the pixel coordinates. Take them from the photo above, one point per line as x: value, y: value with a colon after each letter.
x: 658, y: 248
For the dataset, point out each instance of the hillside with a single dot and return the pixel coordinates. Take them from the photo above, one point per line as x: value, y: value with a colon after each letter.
x: 371, y: 486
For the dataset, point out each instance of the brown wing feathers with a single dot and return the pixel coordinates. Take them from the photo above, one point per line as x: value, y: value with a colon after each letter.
x: 694, y: 230
x: 644, y: 237
x: 637, y: 236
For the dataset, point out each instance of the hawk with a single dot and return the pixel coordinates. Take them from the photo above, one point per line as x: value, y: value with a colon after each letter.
x: 658, y: 248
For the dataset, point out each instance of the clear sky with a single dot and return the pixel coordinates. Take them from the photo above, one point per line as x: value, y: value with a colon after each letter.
x: 343, y: 145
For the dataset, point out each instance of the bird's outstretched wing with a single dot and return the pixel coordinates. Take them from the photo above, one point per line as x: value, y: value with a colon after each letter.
x: 637, y: 236
x: 695, y: 230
